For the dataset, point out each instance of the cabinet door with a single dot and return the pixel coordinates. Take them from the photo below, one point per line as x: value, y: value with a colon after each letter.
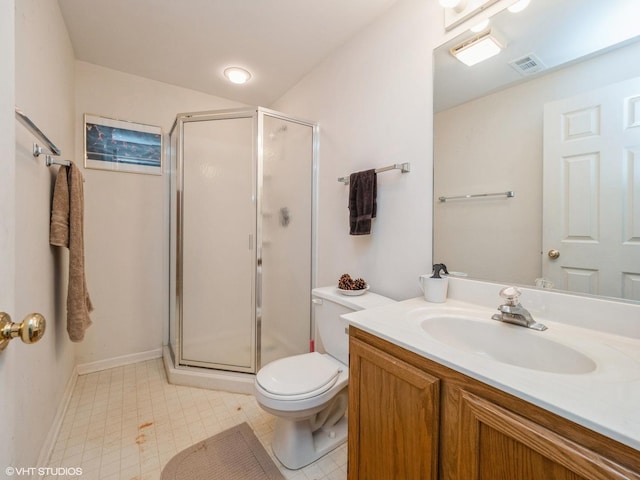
x: 393, y: 417
x: 497, y: 444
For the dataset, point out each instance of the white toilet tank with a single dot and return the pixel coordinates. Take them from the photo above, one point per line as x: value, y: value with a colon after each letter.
x: 328, y: 305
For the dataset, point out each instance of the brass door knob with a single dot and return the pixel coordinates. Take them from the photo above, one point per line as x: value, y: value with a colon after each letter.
x: 30, y: 330
x: 553, y: 254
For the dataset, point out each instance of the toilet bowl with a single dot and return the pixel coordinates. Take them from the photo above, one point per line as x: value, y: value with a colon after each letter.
x: 309, y: 409
x: 308, y: 392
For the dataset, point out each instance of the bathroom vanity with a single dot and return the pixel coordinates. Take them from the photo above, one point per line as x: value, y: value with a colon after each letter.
x: 432, y: 397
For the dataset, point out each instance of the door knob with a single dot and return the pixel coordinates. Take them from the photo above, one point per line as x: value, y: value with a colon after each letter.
x: 553, y: 254
x: 30, y: 330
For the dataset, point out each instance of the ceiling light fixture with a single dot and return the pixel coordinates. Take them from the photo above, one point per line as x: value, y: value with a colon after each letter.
x: 519, y: 6
x: 477, y: 48
x: 237, y: 75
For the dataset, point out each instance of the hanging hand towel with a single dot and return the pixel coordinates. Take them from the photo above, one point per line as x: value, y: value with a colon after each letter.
x: 67, y: 224
x: 362, y: 201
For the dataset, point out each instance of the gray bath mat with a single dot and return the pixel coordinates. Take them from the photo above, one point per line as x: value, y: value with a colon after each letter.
x: 233, y: 454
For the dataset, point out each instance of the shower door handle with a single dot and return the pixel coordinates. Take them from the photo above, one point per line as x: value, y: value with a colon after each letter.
x: 251, y: 241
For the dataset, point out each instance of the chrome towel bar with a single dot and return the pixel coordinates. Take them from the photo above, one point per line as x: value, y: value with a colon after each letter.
x: 509, y: 194
x: 38, y: 150
x: 403, y: 167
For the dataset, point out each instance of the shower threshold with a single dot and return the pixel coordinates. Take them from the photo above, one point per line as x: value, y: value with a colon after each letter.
x: 210, y: 379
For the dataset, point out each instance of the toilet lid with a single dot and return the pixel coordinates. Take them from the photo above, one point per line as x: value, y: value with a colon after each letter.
x: 299, y: 374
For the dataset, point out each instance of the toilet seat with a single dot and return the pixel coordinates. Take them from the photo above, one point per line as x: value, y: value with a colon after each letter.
x: 298, y: 377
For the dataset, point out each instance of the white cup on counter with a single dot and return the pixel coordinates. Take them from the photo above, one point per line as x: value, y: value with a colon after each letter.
x: 434, y: 289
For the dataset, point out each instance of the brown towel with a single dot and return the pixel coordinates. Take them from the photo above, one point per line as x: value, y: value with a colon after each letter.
x: 67, y: 225
x: 362, y: 201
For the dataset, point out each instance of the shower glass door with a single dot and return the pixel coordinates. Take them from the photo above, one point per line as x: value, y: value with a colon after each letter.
x: 218, y: 243
x: 287, y: 226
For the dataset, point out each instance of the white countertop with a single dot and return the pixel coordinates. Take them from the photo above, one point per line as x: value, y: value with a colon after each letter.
x: 606, y: 400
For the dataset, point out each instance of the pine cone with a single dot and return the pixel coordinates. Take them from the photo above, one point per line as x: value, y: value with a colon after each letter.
x: 359, y: 284
x: 344, y: 282
x: 347, y: 283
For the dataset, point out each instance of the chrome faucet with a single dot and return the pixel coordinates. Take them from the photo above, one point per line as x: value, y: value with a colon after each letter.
x: 512, y: 312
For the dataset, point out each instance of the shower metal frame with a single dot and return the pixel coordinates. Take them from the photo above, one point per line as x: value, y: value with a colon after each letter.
x: 257, y: 114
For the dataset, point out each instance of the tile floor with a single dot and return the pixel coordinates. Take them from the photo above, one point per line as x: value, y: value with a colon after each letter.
x: 126, y: 423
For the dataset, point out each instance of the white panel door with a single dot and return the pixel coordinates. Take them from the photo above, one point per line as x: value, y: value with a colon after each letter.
x: 591, y: 208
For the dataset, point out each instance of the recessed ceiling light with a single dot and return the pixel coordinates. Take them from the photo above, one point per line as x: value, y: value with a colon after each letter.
x: 237, y: 75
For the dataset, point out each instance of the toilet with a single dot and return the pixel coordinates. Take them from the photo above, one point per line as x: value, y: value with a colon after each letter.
x: 308, y: 392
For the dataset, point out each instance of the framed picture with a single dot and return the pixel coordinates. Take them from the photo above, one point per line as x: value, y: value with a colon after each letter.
x: 122, y: 146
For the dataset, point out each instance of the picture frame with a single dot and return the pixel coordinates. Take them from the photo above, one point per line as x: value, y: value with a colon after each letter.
x: 122, y: 146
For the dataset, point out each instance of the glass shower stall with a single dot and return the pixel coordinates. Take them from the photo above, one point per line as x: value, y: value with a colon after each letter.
x: 242, y: 246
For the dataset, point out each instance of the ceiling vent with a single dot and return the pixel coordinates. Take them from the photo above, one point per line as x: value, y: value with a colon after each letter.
x: 527, y: 65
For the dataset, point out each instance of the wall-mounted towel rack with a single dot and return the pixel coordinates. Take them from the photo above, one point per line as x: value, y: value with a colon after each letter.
x: 403, y: 167
x: 509, y: 194
x: 38, y: 150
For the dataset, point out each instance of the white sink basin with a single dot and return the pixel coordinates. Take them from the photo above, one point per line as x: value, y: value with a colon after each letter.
x: 506, y: 343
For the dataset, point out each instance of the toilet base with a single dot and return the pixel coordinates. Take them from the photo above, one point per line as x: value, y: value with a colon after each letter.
x: 296, y: 446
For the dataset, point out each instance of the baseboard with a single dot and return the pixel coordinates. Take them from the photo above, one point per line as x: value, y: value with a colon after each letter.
x: 83, y: 369
x: 52, y: 436
x: 99, y: 365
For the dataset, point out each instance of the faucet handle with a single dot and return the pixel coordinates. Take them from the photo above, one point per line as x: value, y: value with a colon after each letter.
x: 511, y: 295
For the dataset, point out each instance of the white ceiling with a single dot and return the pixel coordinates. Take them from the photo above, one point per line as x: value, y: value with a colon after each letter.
x: 190, y: 42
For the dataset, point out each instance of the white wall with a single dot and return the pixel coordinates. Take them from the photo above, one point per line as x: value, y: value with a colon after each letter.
x: 373, y: 101
x: 483, y: 146
x: 33, y: 377
x: 126, y: 218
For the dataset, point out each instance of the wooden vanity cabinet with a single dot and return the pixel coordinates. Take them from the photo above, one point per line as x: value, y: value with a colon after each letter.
x: 412, y: 418
x: 393, y: 417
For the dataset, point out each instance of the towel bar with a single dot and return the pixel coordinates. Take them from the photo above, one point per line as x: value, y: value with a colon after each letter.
x: 509, y: 194
x: 51, y: 151
x: 403, y: 167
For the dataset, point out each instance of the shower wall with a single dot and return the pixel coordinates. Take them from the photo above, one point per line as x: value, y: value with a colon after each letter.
x: 242, y: 258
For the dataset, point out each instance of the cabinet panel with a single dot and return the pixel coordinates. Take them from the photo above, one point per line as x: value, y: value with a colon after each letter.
x: 497, y: 444
x: 393, y: 417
